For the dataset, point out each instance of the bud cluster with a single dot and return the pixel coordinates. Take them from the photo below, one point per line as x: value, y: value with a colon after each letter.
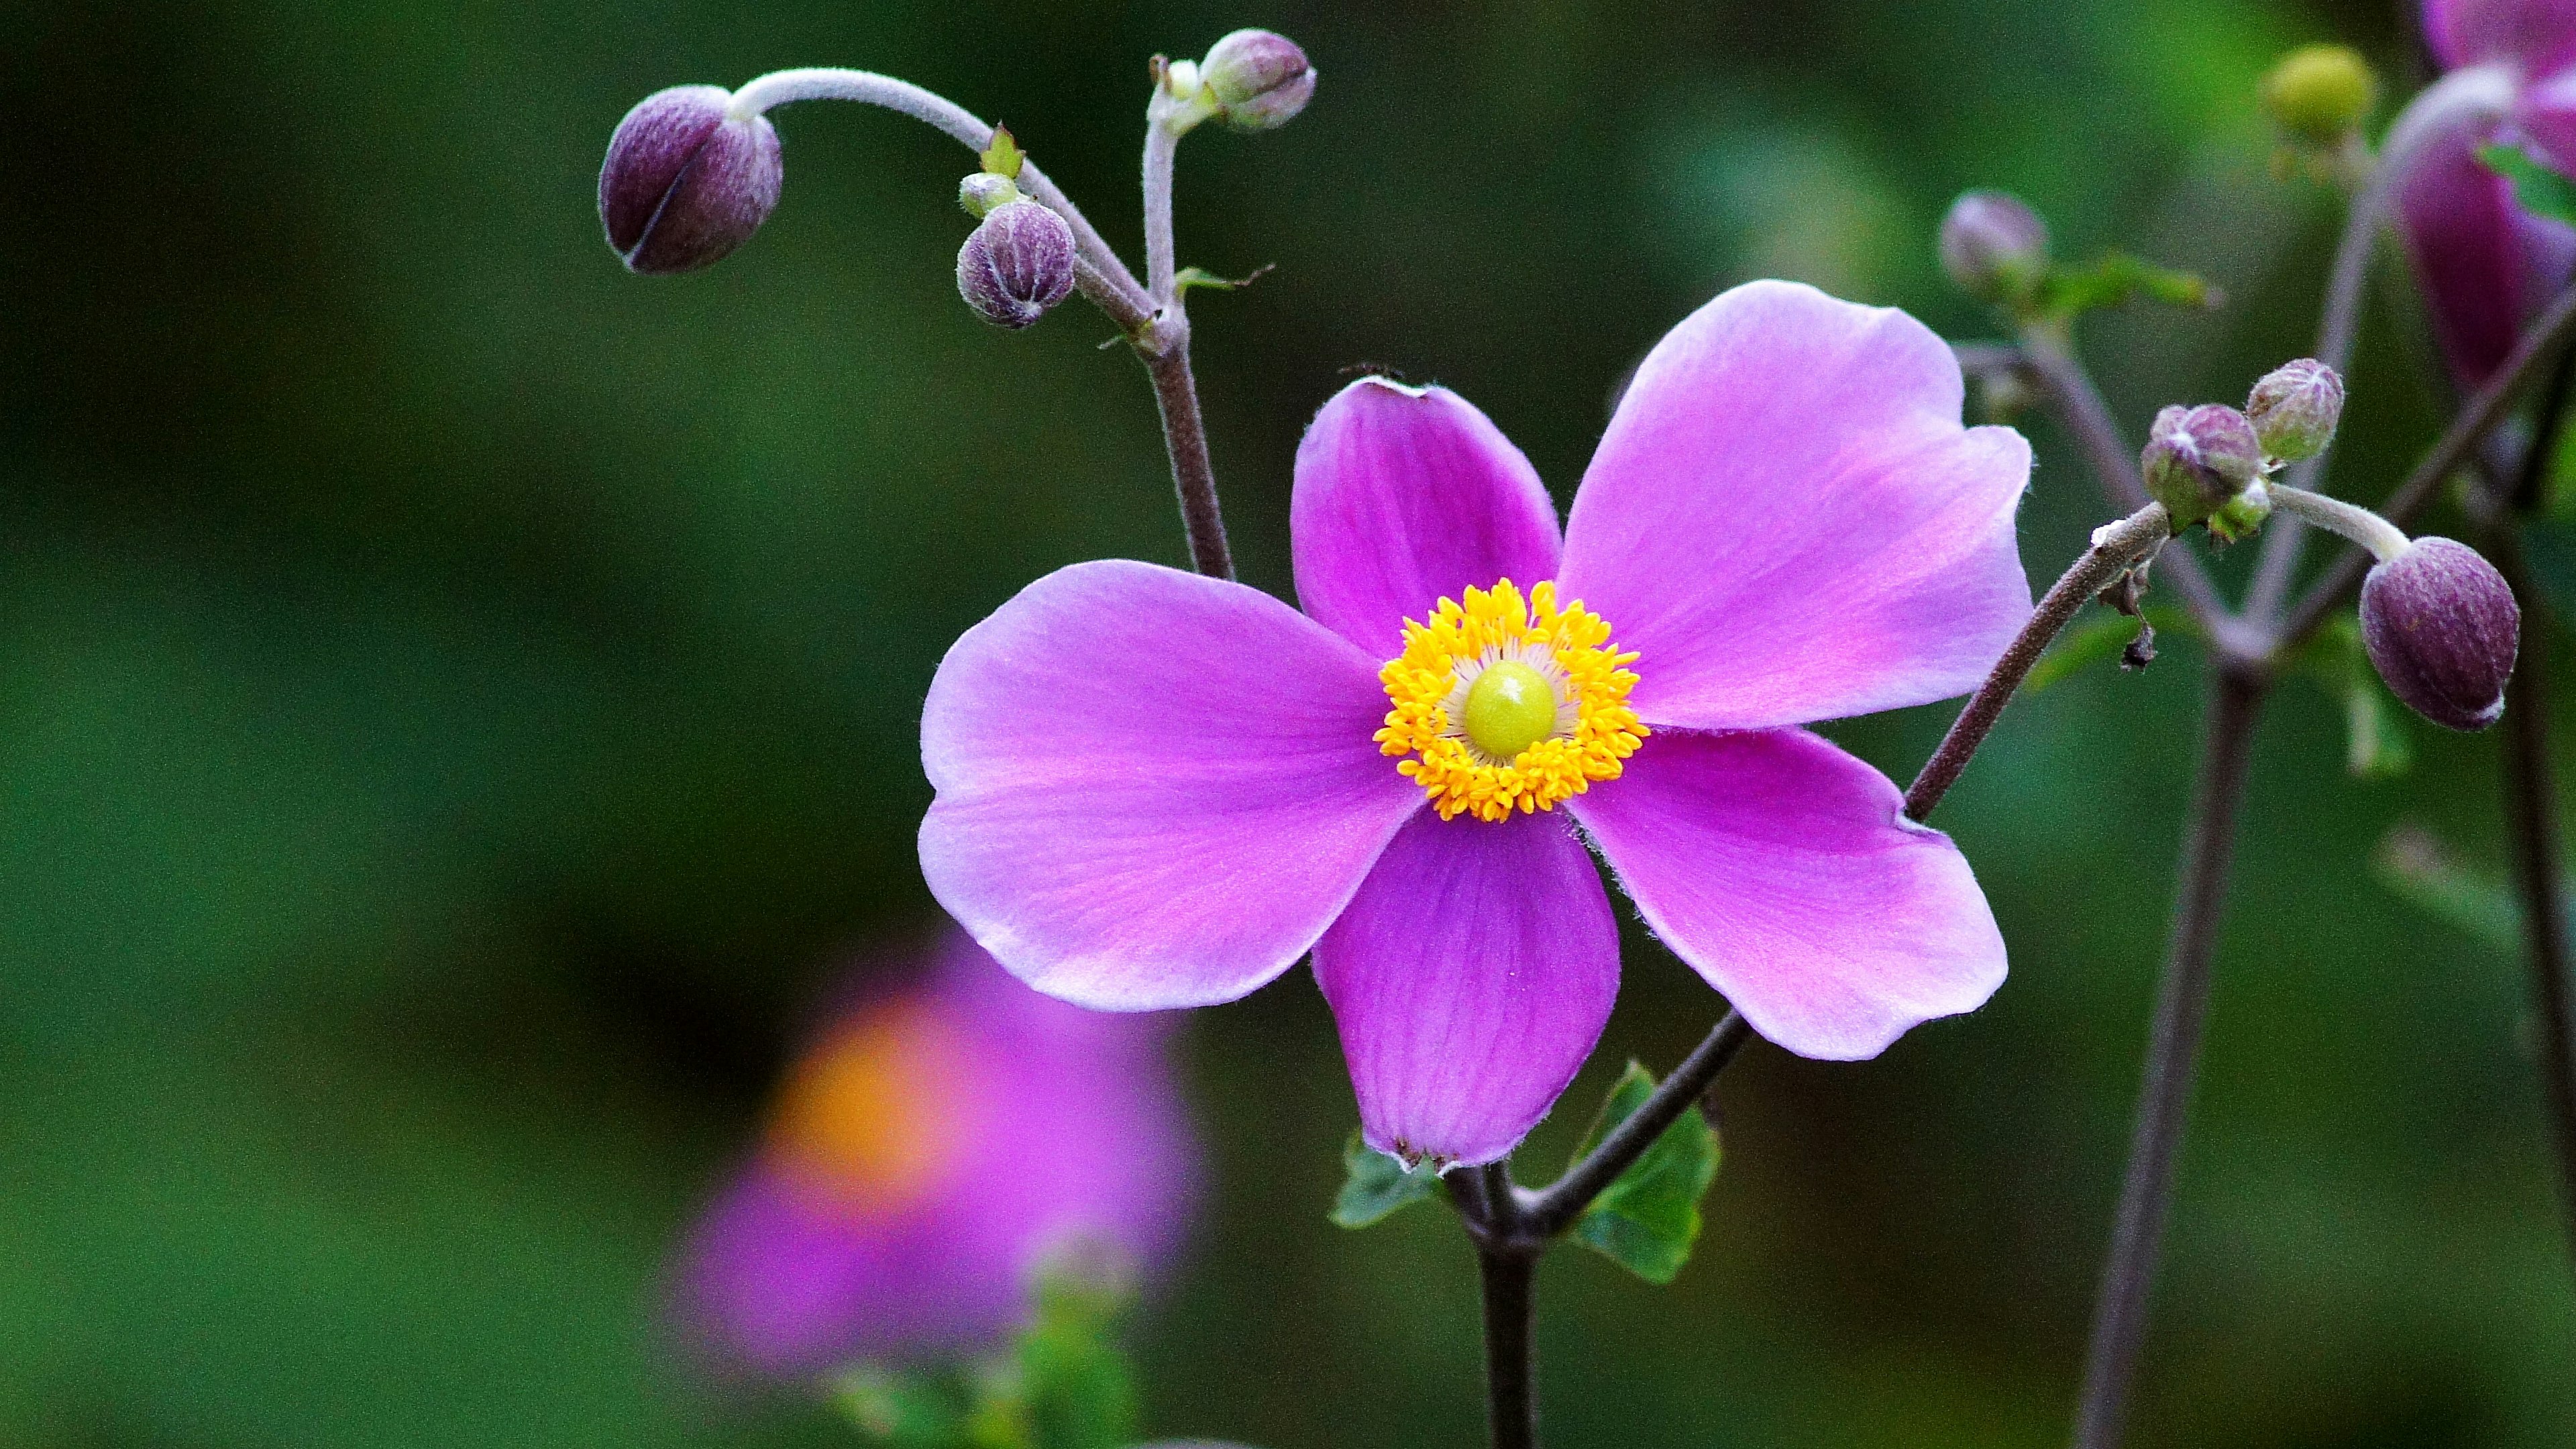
x: 2211, y: 464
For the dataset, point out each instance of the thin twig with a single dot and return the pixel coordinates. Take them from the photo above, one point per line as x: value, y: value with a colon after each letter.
x: 1553, y: 1209
x: 2117, y: 548
x: 1161, y: 142
x: 2467, y: 430
x: 2173, y: 1059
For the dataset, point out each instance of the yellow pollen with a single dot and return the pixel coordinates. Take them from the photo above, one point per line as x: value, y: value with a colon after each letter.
x: 1508, y: 703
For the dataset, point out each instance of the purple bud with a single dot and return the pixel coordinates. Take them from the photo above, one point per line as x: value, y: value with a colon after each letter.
x: 686, y: 182
x: 2442, y: 629
x: 1258, y: 79
x: 2295, y: 408
x: 1993, y: 246
x: 1018, y: 264
x: 2197, y: 460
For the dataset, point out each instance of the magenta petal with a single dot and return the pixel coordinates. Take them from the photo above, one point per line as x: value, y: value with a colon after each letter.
x: 2485, y: 265
x: 1778, y: 867
x: 1404, y: 497
x: 1471, y: 977
x: 1155, y: 789
x: 1788, y: 523
x: 2536, y: 34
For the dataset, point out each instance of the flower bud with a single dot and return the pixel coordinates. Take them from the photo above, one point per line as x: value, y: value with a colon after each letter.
x: 1258, y: 79
x: 1993, y: 246
x: 1018, y: 264
x: 2320, y: 93
x: 2442, y: 629
x: 686, y: 181
x: 2200, y: 461
x: 983, y: 192
x: 2294, y: 409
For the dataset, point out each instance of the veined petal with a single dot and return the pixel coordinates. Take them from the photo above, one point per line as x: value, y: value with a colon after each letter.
x: 2535, y: 34
x: 1788, y: 523
x: 1779, y: 868
x: 1406, y: 496
x: 1155, y: 789
x: 1470, y: 977
x: 2485, y: 265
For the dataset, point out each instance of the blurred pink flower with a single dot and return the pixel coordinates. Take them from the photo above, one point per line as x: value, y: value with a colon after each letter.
x: 924, y: 1155
x: 1158, y: 790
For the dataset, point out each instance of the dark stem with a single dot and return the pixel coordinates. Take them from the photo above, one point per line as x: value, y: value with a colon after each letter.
x: 2080, y: 407
x: 2116, y: 548
x: 1511, y: 1403
x: 2467, y: 430
x: 1193, y: 477
x: 2173, y: 1059
x: 1544, y: 1214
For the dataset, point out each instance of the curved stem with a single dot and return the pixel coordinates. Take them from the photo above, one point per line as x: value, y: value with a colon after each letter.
x: 2117, y: 547
x: 2466, y: 431
x: 1550, y: 1211
x: 2173, y: 1061
x: 832, y: 83
x: 1162, y: 144
x: 2383, y: 538
x: 2080, y: 406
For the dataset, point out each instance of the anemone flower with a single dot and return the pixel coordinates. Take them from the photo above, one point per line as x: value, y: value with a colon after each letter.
x: 1157, y: 789
x: 2486, y: 266
x: 925, y: 1155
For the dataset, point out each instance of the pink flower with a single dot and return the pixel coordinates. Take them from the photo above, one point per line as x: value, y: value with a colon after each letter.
x: 2486, y: 266
x: 925, y: 1154
x: 1156, y: 789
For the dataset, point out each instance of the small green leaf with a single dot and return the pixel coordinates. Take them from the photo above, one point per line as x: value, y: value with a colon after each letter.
x: 1647, y: 1220
x: 2087, y: 643
x: 2376, y: 743
x: 2419, y: 869
x: 1077, y: 1386
x: 1003, y: 156
x: 1376, y: 1184
x: 899, y: 1411
x: 2536, y: 188
x: 1201, y: 277
x: 2115, y: 280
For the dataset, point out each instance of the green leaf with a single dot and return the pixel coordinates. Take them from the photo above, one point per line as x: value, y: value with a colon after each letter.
x: 2536, y: 188
x: 2087, y: 643
x: 2419, y: 869
x: 1003, y: 156
x: 1201, y: 277
x: 897, y: 1410
x: 1647, y: 1219
x: 2115, y: 280
x: 2376, y: 742
x: 1077, y: 1386
x: 1376, y: 1184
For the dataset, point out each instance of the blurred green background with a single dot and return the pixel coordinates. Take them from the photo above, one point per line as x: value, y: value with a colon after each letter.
x: 458, y: 700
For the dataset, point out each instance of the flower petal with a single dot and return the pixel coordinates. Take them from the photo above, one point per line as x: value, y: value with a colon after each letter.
x: 1470, y: 977
x: 1406, y: 496
x: 2535, y: 34
x: 1788, y: 523
x: 1779, y: 868
x: 1155, y: 789
x: 2485, y: 265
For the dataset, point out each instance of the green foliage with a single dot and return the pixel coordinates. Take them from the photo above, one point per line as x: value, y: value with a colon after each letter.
x: 1064, y: 1385
x: 2105, y: 636
x: 1003, y: 157
x: 2538, y: 189
x: 2419, y: 869
x: 2115, y: 280
x: 1376, y: 1184
x: 1647, y: 1219
x: 900, y: 1411
x: 2376, y: 743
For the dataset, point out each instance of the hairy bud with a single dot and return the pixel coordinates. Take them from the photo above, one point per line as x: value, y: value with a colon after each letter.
x: 686, y: 181
x: 2295, y: 408
x: 2203, y: 464
x: 982, y: 192
x: 2320, y: 93
x: 1994, y: 246
x: 1017, y: 265
x: 1257, y: 79
x: 2442, y: 629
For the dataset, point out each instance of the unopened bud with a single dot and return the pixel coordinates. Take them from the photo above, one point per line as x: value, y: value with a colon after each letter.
x: 1994, y: 246
x: 2295, y: 408
x: 982, y: 192
x: 1257, y: 79
x: 686, y: 181
x: 2202, y: 462
x: 2442, y: 629
x: 2320, y: 93
x: 1017, y: 265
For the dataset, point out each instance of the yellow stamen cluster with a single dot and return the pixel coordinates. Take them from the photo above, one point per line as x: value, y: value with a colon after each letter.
x: 1429, y: 682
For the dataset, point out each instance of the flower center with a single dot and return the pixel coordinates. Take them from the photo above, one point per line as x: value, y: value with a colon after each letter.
x: 1508, y: 703
x: 1509, y: 708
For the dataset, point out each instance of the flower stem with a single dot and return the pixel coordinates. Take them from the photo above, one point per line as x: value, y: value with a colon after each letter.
x: 1162, y: 142
x: 2383, y: 538
x: 2467, y: 430
x: 2116, y: 548
x: 1544, y: 1214
x: 1511, y: 1400
x: 2173, y: 1059
x: 1185, y: 438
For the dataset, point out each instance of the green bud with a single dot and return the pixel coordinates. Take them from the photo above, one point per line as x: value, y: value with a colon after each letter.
x: 983, y: 192
x: 1257, y: 79
x: 2199, y: 461
x: 2320, y: 93
x: 2294, y: 409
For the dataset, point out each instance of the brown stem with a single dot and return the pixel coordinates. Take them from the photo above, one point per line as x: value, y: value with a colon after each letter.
x: 1193, y: 477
